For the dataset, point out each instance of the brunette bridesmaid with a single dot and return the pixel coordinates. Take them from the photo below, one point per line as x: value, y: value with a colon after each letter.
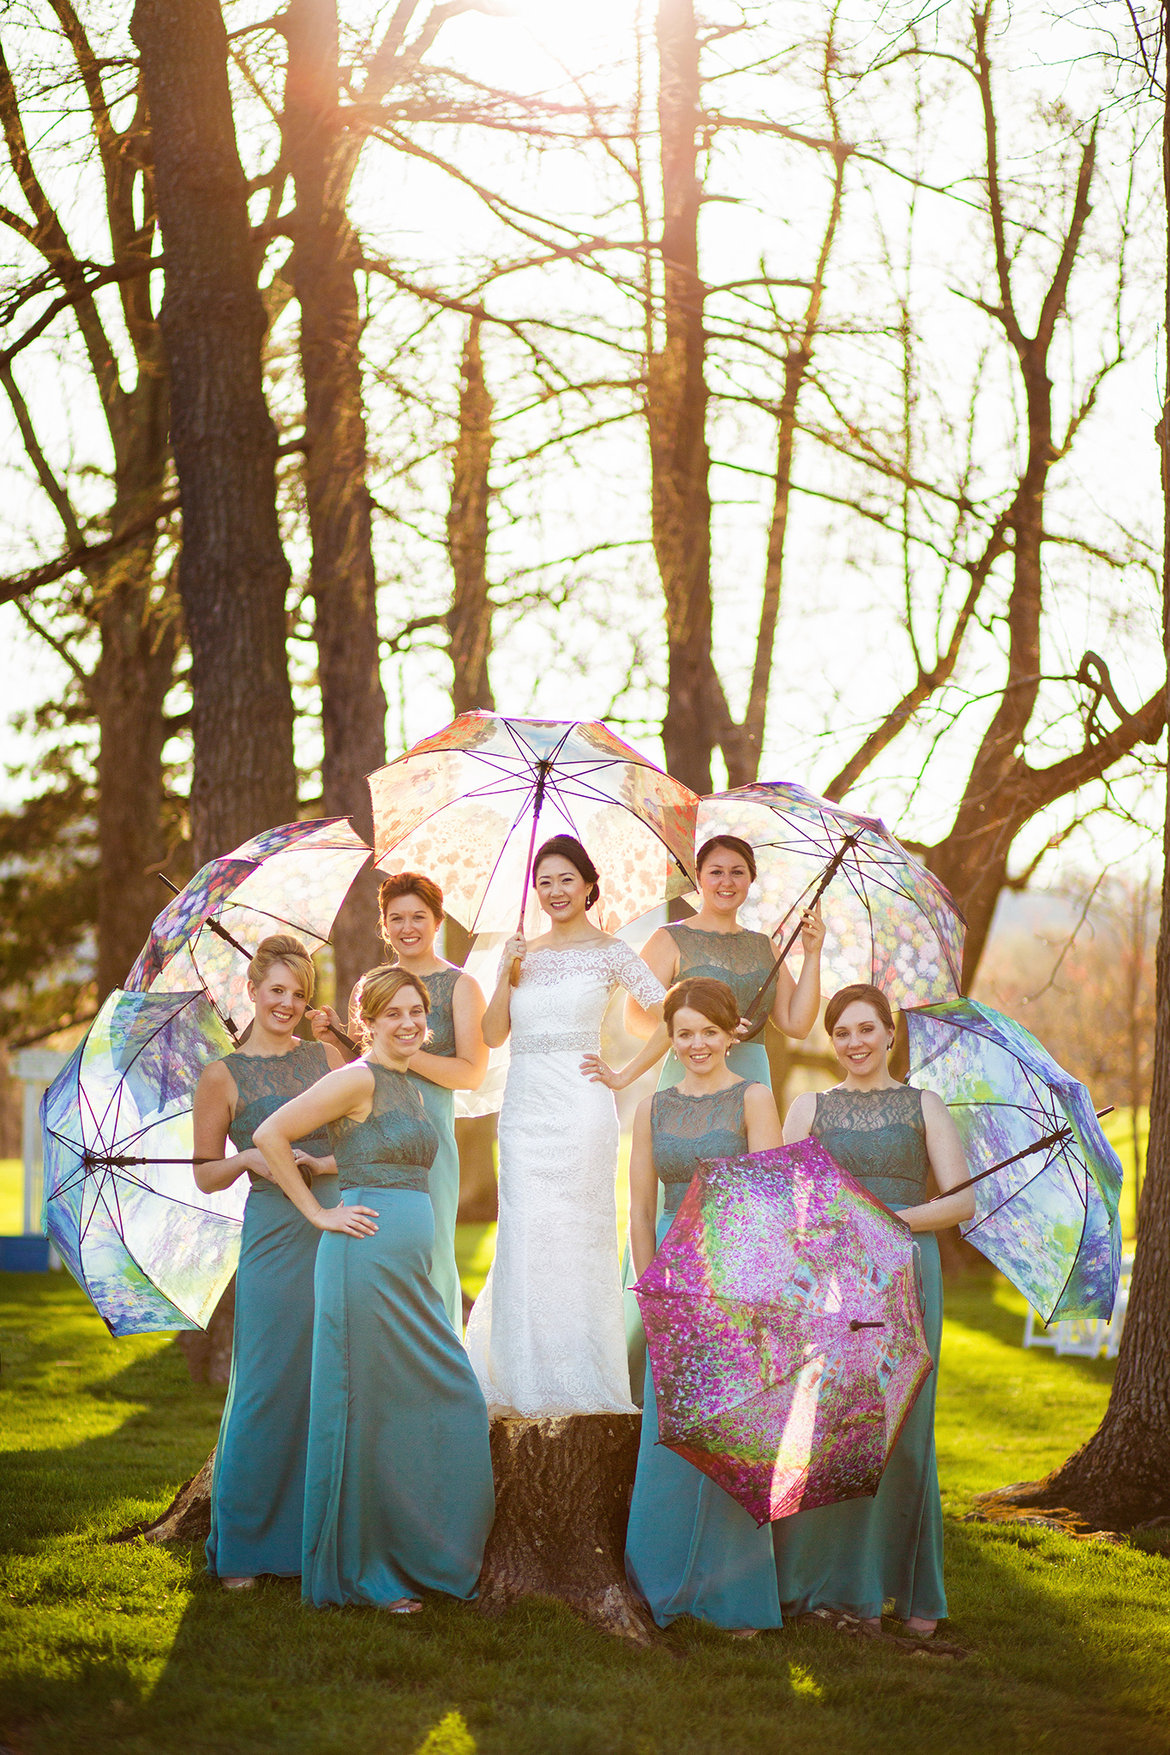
x: 398, y: 1495
x: 691, y: 1549
x: 863, y: 1553
x: 454, y: 1057
x: 258, y: 1481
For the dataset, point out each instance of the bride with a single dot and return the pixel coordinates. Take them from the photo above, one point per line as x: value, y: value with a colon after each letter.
x: 546, y: 1335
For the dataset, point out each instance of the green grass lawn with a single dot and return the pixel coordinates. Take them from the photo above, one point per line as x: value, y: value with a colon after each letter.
x: 130, y: 1648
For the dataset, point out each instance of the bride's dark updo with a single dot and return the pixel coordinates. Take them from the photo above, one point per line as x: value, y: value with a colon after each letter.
x: 567, y: 847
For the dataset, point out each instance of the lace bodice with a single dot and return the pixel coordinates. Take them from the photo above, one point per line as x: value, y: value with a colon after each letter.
x: 743, y: 959
x: 440, y: 1019
x: 685, y: 1129
x: 561, y: 997
x: 265, y: 1082
x: 395, y: 1146
x: 879, y: 1137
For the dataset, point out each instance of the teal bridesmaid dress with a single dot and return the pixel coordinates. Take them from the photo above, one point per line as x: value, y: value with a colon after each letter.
x: 690, y: 1548
x: 862, y: 1554
x: 258, y: 1478
x: 398, y: 1496
x: 744, y: 961
x: 443, y: 1182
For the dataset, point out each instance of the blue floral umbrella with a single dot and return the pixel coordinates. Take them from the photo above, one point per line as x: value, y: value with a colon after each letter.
x: 1047, y: 1182
x: 148, y: 1247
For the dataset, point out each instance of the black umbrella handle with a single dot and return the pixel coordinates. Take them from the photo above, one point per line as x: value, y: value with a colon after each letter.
x: 1049, y: 1139
x: 827, y: 877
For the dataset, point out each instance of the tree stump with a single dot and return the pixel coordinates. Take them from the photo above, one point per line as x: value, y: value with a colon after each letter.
x: 186, y: 1519
x: 562, y: 1503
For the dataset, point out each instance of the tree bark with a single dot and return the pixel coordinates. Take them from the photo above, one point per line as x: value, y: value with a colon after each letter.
x: 1121, y: 1477
x: 562, y: 1503
x: 324, y: 260
x: 233, y: 575
x: 469, y: 619
x: 676, y: 414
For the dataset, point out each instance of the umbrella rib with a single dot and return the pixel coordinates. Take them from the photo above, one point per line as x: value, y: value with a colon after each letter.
x: 1016, y: 1192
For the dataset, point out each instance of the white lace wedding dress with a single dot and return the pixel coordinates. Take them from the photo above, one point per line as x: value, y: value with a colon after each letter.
x: 547, y: 1335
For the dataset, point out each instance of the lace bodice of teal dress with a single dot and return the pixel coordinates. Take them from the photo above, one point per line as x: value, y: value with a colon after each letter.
x: 743, y: 959
x: 394, y: 1146
x: 265, y: 1082
x: 879, y: 1137
x: 440, y: 1019
x: 685, y: 1129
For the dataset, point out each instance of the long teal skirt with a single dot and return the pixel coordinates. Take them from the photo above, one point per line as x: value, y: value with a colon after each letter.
x: 258, y: 1478
x: 444, y: 1190
x: 398, y: 1494
x: 690, y: 1548
x: 750, y: 1061
x: 864, y: 1553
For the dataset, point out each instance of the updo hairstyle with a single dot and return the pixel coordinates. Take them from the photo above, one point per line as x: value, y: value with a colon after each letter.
x: 281, y: 947
x: 733, y: 844
x: 713, y: 999
x: 378, y: 987
x: 860, y: 990
x: 410, y: 883
x: 567, y: 847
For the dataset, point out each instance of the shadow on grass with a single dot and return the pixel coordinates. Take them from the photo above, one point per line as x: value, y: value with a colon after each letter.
x: 967, y: 1301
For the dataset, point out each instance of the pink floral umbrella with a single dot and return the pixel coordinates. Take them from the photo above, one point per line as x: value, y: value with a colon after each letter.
x: 784, y: 1327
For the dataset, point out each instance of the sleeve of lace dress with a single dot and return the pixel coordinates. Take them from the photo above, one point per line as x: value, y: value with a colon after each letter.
x: 636, y: 978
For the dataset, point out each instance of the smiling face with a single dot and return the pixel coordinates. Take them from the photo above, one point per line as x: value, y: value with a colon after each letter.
x: 400, y: 1030
x: 700, y: 1044
x: 724, y: 881
x: 560, y: 888
x: 409, y: 927
x: 279, y: 1001
x: 861, y: 1041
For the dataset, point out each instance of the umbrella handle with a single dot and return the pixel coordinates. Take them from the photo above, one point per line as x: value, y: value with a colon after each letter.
x: 827, y: 877
x: 542, y: 770
x: 1040, y: 1145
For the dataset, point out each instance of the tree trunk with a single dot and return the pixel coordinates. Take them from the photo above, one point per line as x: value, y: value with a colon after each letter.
x: 676, y: 414
x: 1121, y: 1477
x: 128, y: 690
x: 324, y: 258
x: 233, y: 575
x: 469, y: 619
x: 562, y: 1504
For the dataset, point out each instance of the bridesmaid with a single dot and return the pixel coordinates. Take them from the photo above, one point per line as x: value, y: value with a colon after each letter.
x: 258, y: 1481
x: 690, y: 1548
x: 714, y: 944
x: 398, y: 1496
x: 455, y: 1057
x: 857, y: 1555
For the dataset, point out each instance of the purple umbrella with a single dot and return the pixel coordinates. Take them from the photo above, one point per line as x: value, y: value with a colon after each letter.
x: 784, y: 1326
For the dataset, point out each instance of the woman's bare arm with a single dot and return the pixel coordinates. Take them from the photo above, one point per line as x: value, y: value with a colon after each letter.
x: 643, y: 1192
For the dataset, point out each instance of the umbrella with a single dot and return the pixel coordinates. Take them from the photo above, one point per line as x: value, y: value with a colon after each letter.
x: 465, y: 806
x: 290, y: 879
x: 888, y: 920
x: 784, y: 1327
x: 150, y: 1249
x: 1046, y: 1208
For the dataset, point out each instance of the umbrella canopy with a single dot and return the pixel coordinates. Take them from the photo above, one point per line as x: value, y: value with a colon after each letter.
x: 888, y: 920
x: 150, y: 1249
x: 290, y: 879
x: 1048, y: 1218
x: 466, y: 807
x: 784, y: 1328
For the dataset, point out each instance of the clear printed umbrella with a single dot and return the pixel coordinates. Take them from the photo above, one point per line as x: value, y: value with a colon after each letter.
x: 121, y: 1205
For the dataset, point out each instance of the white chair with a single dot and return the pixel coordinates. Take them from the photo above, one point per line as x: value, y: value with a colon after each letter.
x: 1036, y: 1333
